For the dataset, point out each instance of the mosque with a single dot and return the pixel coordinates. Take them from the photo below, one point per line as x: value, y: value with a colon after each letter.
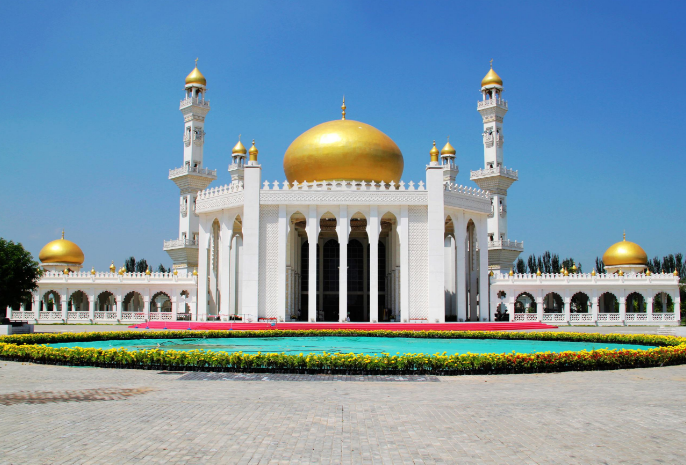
x: 345, y: 238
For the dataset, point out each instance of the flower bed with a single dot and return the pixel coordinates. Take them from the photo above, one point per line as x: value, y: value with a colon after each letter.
x: 29, y: 348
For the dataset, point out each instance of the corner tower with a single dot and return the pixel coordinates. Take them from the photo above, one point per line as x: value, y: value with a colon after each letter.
x: 495, y: 177
x: 191, y: 177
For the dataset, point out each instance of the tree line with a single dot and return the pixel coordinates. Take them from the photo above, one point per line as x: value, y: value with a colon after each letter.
x: 548, y: 263
x: 141, y: 266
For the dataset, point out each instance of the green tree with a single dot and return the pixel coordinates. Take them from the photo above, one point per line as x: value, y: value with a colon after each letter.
x: 520, y: 266
x: 162, y: 269
x: 19, y: 275
x: 141, y: 266
x: 130, y: 265
x: 599, y: 265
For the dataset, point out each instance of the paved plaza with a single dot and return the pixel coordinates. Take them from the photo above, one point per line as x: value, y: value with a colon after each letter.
x: 68, y: 415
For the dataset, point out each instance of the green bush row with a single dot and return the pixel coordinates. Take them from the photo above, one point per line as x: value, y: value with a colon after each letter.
x: 27, y: 348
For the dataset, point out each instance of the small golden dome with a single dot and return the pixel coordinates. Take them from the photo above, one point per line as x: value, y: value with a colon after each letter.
x: 148, y: 272
x: 65, y: 271
x: 196, y: 77
x: 593, y: 272
x: 434, y: 153
x: 491, y: 78
x: 253, y: 151
x: 93, y: 270
x: 565, y: 272
x: 625, y: 253
x: 176, y: 272
x: 574, y: 268
x: 490, y: 273
x: 621, y: 273
x: 195, y: 272
x: 562, y: 270
x: 648, y: 273
x: 112, y: 267
x: 448, y: 149
x: 538, y: 272
x: 511, y: 272
x: 343, y: 150
x: 239, y: 147
x: 122, y: 270
x: 61, y: 251
x: 676, y: 273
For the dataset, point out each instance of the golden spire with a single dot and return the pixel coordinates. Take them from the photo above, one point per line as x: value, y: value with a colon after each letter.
x: 196, y: 62
x: 93, y: 270
x: 511, y: 272
x: 62, y: 233
x: 343, y: 107
x: 253, y: 152
x: 676, y: 273
x: 538, y: 272
x: 112, y: 267
x: 434, y: 153
x: 148, y: 272
x: 239, y: 147
x: 565, y: 272
x: 593, y: 272
x: 448, y: 149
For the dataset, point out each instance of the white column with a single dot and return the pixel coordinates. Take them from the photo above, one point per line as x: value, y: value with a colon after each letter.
x: 373, y: 232
x: 567, y: 309
x: 118, y: 303
x: 677, y: 307
x: 649, y: 308
x: 482, y: 235
x: 342, y: 227
x: 225, y: 264
x: 251, y: 240
x: 65, y: 303
x: 146, y: 305
x: 594, y: 308
x: 539, y: 307
x: 282, y: 251
x: 460, y: 241
x: 91, y: 307
x: 203, y: 244
x: 622, y: 308
x: 36, y: 305
x: 174, y: 306
x: 436, y: 230
x: 313, y: 239
x: 510, y: 306
x: 404, y: 234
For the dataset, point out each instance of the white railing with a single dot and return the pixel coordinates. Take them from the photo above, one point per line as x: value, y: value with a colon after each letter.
x: 194, y: 101
x: 491, y: 102
x: 589, y: 278
x: 50, y: 315
x: 379, y: 185
x: 636, y: 317
x: 608, y: 317
x: 78, y: 316
x: 105, y: 315
x: 176, y: 243
x: 158, y: 316
x: 22, y: 316
x: 664, y: 317
x: 525, y: 317
x: 220, y: 190
x: 506, y: 244
x: 498, y: 170
x: 581, y: 318
x: 465, y: 190
x: 191, y: 170
x: 133, y: 316
x: 554, y: 317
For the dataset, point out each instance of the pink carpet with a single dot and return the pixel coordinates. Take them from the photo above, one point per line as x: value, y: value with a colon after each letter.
x: 219, y: 326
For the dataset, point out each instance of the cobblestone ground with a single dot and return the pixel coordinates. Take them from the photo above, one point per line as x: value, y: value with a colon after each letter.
x: 65, y: 415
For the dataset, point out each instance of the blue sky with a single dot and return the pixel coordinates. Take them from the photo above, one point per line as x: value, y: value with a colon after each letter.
x: 91, y: 122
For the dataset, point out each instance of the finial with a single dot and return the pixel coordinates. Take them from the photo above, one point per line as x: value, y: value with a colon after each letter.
x: 239, y: 137
x: 491, y: 63
x: 343, y: 107
x: 196, y: 63
x: 434, y: 153
x: 252, y: 152
x: 62, y: 233
x: 624, y: 236
x: 538, y: 272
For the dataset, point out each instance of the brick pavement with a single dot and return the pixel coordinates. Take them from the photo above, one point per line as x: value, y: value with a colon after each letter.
x: 100, y: 416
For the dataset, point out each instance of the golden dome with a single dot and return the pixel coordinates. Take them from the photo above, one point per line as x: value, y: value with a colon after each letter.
x: 239, y: 147
x: 196, y: 77
x: 491, y: 78
x: 112, y: 267
x: 448, y: 149
x: 61, y: 251
x: 343, y: 150
x: 625, y: 253
x: 253, y: 152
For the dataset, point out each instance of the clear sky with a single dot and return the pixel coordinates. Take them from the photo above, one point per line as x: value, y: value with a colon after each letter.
x: 91, y: 122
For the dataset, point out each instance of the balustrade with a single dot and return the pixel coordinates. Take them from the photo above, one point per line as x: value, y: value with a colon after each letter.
x: 50, y: 315
x: 78, y: 316
x: 581, y: 318
x: 491, y: 102
x: 159, y: 316
x: 22, y: 316
x: 194, y: 101
x: 133, y: 316
x: 525, y: 317
x: 191, y: 170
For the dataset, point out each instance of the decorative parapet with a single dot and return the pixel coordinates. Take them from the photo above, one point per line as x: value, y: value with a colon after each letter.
x: 194, y: 101
x: 585, y: 278
x: 179, y: 243
x: 493, y: 102
x: 506, y: 244
x: 345, y: 186
x: 105, y: 277
x: 497, y: 171
x: 184, y: 170
x: 465, y: 190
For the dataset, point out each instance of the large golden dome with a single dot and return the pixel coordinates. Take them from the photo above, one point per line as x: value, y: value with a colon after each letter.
x: 343, y: 150
x: 61, y: 251
x: 625, y: 253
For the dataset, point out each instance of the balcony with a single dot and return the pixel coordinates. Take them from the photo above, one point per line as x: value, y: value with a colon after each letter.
x: 194, y: 101
x: 184, y: 170
x: 506, y: 244
x: 179, y: 244
x: 497, y: 171
x: 493, y: 102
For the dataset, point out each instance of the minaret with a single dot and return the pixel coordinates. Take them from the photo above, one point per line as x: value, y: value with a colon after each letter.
x: 191, y: 177
x: 236, y: 168
x: 495, y: 178
x: 450, y: 169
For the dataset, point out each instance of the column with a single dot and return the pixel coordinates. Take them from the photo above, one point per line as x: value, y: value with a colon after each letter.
x: 282, y: 250
x: 677, y: 307
x: 436, y: 231
x: 622, y: 308
x: 194, y: 304
x: 343, y: 229
x: 174, y: 306
x: 510, y: 306
x: 65, y: 304
x: 312, y: 238
x: 146, y: 306
x: 404, y: 234
x: 119, y: 305
x: 36, y: 305
x: 539, y: 307
x: 91, y: 307
x: 594, y: 308
x: 460, y: 241
x: 483, y: 268
x: 250, y: 265
x: 649, y: 308
x: 225, y: 294
x: 373, y: 232
x: 568, y: 309
x: 203, y: 243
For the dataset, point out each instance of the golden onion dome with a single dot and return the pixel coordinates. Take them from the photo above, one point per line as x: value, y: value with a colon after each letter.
x: 253, y: 152
x: 625, y: 253
x: 448, y: 149
x: 196, y: 77
x: 61, y: 251
x: 112, y: 267
x: 239, y: 147
x: 344, y: 150
x: 434, y: 152
x: 491, y: 78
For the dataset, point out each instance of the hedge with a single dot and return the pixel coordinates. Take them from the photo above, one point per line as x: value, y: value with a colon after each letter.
x: 669, y: 350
